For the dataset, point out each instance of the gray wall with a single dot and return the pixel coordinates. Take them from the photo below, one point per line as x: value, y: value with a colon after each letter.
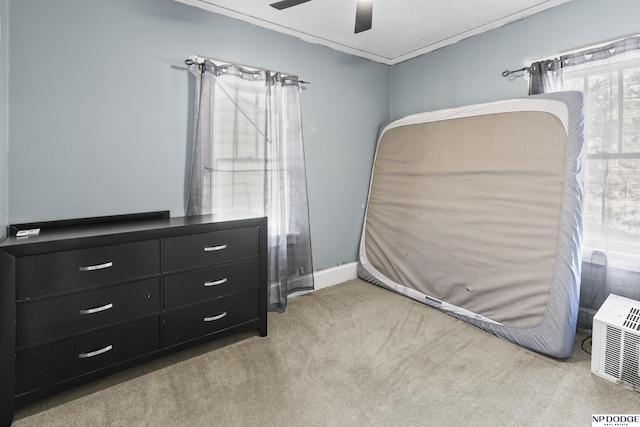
x: 470, y: 71
x: 100, y: 101
x: 4, y: 117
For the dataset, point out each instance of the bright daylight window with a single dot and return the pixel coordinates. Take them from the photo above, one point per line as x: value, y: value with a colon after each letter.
x: 611, y: 212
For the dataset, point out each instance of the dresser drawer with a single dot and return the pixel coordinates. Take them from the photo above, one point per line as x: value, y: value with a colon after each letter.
x: 65, y: 359
x: 211, y: 282
x: 58, y: 317
x: 196, y: 250
x: 206, y: 318
x: 47, y: 274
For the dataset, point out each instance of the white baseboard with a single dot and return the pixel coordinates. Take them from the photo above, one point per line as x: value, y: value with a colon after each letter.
x: 331, y: 276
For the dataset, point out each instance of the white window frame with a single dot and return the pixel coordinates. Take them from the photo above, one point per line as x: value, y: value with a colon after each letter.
x: 621, y: 254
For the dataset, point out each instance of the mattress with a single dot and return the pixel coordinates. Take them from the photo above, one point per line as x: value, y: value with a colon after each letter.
x: 476, y: 211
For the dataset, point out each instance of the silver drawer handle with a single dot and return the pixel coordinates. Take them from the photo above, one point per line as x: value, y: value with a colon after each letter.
x: 215, y: 248
x: 95, y: 353
x: 214, y: 318
x: 97, y: 267
x: 97, y: 309
x: 215, y: 283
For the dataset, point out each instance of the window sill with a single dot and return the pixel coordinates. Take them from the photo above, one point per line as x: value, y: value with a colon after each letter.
x: 618, y: 260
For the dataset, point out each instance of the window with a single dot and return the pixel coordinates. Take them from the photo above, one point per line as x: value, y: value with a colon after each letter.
x: 611, y: 212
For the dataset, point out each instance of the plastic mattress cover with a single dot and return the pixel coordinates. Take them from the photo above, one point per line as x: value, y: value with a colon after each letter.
x: 476, y: 211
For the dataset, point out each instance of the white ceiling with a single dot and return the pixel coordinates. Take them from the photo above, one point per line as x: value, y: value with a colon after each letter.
x: 402, y: 29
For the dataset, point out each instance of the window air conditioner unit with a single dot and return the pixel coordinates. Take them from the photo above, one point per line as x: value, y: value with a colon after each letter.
x: 615, y: 349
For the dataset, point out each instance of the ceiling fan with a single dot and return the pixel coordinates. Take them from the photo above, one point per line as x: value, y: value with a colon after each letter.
x: 364, y: 12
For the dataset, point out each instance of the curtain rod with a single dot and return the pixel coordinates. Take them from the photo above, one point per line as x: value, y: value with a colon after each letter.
x: 199, y: 60
x: 593, y: 53
x: 507, y: 73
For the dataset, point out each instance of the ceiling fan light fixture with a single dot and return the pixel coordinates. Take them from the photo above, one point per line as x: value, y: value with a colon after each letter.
x: 364, y: 12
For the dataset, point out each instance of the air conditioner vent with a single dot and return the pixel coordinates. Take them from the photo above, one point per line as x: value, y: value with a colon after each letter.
x: 631, y: 360
x: 633, y: 319
x: 615, y: 353
x: 612, y: 352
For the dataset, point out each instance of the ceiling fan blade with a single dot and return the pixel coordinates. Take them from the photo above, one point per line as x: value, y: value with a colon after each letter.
x: 364, y: 15
x: 287, y: 3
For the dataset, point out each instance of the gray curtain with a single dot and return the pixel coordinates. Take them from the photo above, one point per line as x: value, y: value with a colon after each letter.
x: 609, y: 77
x: 545, y: 76
x: 248, y: 157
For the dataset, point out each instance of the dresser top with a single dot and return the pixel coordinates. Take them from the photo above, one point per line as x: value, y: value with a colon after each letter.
x: 95, y: 233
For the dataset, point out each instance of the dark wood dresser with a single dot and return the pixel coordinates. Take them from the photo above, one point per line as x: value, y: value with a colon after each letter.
x: 86, y: 298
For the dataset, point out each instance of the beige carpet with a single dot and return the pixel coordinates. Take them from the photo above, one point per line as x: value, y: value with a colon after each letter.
x: 349, y: 355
